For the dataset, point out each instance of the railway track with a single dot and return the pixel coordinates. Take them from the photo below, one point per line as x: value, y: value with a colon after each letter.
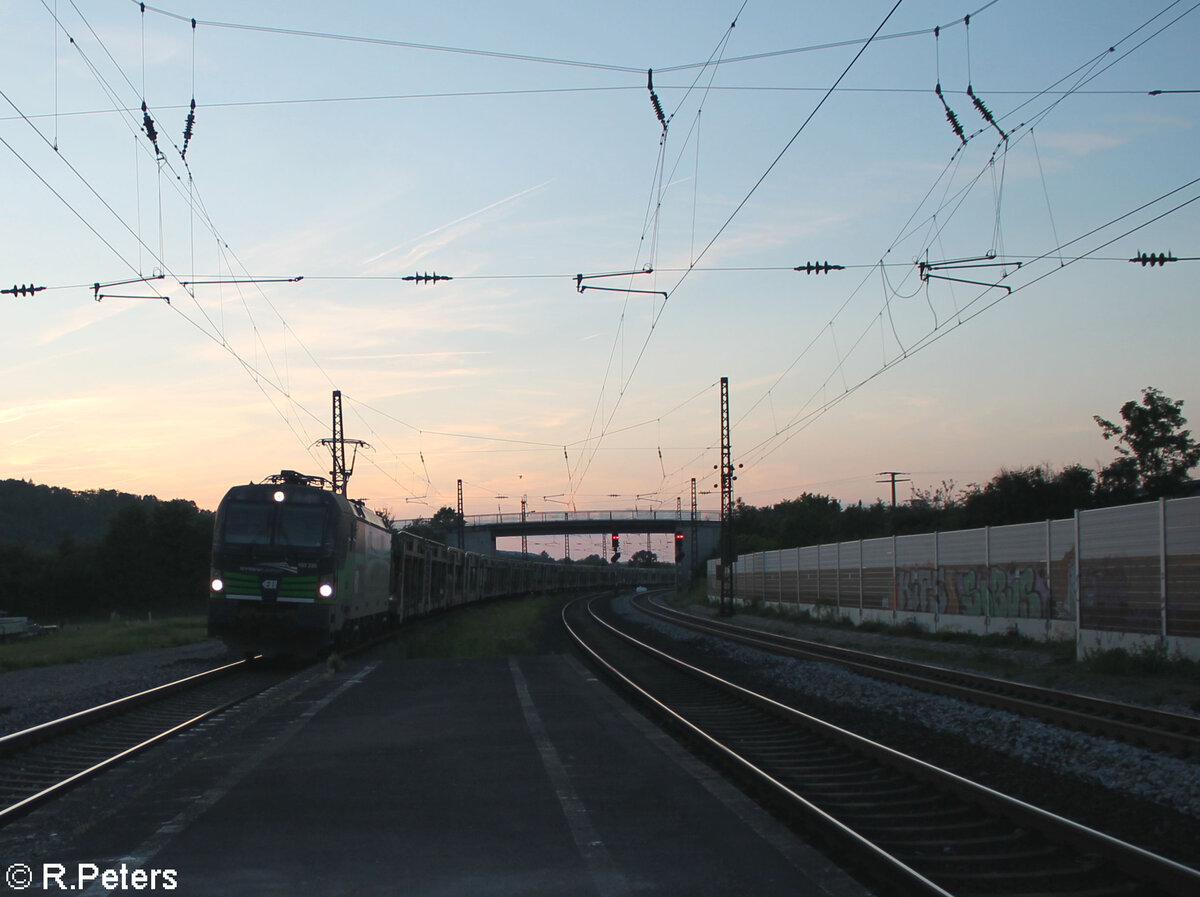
x: 915, y: 828
x: 44, y: 761
x: 1175, y: 733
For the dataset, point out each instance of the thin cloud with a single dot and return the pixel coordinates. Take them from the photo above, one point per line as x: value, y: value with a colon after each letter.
x: 81, y: 318
x: 395, y: 356
x: 1080, y: 143
x: 424, y: 241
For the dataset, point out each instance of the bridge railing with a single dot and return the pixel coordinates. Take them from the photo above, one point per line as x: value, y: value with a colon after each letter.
x: 587, y: 516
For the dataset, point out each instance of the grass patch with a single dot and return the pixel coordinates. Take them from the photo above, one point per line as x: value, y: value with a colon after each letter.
x: 84, y: 640
x: 1148, y: 660
x: 696, y: 593
x: 1062, y: 651
x: 503, y: 628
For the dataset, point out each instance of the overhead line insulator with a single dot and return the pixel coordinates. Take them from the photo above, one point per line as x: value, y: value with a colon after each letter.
x: 818, y: 268
x: 658, y: 109
x: 22, y: 290
x: 1151, y: 259
x: 950, y: 116
x: 151, y: 131
x: 985, y: 112
x: 188, y: 125
x: 426, y: 278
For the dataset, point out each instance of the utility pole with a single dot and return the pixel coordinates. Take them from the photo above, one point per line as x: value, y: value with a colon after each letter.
x: 693, y: 535
x: 462, y: 521
x: 727, y: 479
x: 340, y: 474
x: 338, y: 446
x: 893, y: 475
x: 524, y: 537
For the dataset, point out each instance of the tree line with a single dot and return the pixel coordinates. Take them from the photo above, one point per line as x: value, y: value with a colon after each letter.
x: 1155, y: 454
x: 71, y: 555
x: 66, y: 554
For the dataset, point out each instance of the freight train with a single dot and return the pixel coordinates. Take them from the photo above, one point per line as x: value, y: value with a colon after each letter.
x: 299, y: 569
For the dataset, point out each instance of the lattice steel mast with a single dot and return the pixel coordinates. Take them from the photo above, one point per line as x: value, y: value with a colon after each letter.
x: 727, y: 479
x: 340, y: 474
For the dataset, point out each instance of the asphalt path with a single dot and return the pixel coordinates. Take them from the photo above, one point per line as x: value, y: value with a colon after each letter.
x: 497, y: 776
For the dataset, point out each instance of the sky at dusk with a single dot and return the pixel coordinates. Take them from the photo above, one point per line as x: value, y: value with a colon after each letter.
x: 985, y: 309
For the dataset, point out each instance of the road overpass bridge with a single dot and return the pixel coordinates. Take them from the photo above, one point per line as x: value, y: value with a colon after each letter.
x: 701, y: 533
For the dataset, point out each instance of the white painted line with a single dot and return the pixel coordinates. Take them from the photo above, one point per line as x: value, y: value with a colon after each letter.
x: 607, y: 878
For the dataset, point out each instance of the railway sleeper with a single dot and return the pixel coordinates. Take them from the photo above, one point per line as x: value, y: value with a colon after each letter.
x: 879, y: 825
x: 928, y: 806
x: 999, y: 841
x: 1071, y: 877
x: 950, y: 861
x: 869, y: 795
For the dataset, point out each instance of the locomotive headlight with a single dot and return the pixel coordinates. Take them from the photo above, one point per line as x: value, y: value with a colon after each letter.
x: 218, y: 585
x: 279, y: 496
x: 325, y: 590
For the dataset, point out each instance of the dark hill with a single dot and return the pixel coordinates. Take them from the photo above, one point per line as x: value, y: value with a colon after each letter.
x: 42, y: 517
x: 66, y: 554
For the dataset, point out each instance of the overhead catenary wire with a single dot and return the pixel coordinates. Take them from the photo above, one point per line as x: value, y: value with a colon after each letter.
x: 938, y: 331
x: 148, y: 128
x: 804, y: 418
x: 658, y: 314
x: 889, y: 266
x: 651, y: 224
x: 543, y: 60
x: 214, y: 105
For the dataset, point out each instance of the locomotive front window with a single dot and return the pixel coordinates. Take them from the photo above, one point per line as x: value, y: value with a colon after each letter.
x: 303, y: 527
x: 248, y: 524
x: 287, y: 525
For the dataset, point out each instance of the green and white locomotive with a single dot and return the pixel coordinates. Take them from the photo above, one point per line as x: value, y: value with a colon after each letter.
x: 297, y: 568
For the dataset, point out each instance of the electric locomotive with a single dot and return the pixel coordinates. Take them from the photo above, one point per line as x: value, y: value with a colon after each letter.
x: 297, y: 568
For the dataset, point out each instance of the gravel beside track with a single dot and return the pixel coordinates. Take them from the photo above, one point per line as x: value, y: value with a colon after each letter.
x: 40, y: 694
x: 1141, y: 796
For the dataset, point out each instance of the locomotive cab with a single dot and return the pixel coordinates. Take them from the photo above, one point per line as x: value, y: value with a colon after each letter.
x: 277, y: 550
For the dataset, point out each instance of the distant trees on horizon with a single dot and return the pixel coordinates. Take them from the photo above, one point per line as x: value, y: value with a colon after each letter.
x: 1155, y: 454
x: 90, y: 554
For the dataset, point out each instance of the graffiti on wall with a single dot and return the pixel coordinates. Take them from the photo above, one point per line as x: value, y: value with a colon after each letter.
x: 917, y: 590
x: 1009, y: 590
x: 1020, y: 589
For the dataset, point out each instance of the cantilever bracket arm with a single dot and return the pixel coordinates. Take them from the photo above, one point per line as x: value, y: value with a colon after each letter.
x: 204, y: 283
x: 959, y: 264
x: 926, y: 276
x: 580, y: 286
x: 662, y: 293
x: 97, y: 287
x: 580, y: 278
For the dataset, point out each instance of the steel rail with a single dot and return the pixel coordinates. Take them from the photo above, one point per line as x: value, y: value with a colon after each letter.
x: 16, y: 743
x: 19, y: 741
x: 883, y: 865
x: 1139, y: 866
x: 28, y: 743
x: 7, y: 814
x: 1176, y: 733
